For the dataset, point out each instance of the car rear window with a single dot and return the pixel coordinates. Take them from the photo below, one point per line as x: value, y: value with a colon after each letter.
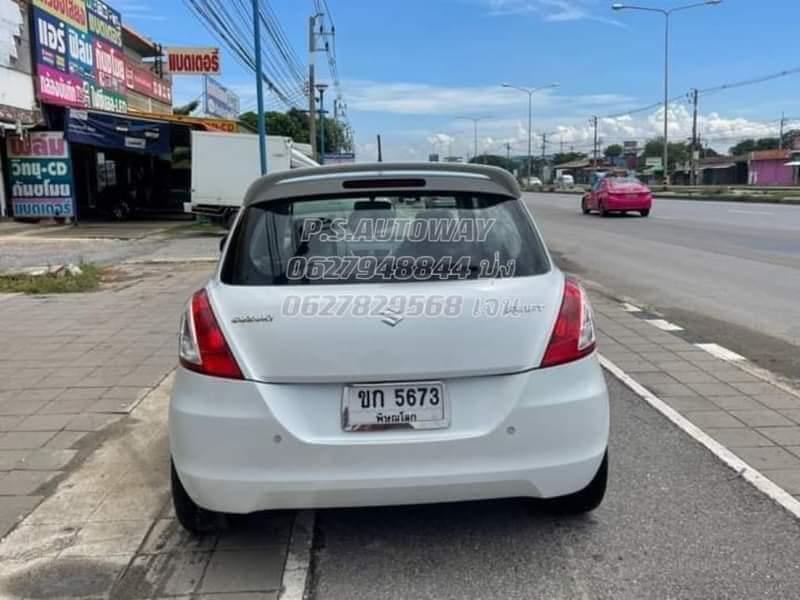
x: 382, y: 239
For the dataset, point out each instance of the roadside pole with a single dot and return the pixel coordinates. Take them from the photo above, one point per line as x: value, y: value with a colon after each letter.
x: 262, y: 126
x: 312, y: 94
x: 695, y: 149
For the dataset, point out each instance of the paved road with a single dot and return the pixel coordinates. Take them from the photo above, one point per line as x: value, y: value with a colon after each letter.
x: 729, y: 272
x: 676, y: 524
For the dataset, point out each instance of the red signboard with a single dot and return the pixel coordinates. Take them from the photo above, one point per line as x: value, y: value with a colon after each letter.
x: 194, y: 61
x: 143, y: 81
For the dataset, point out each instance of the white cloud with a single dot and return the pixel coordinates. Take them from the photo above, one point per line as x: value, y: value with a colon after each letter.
x: 425, y: 99
x: 555, y: 11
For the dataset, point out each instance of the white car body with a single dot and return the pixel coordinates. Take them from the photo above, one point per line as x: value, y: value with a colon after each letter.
x: 274, y: 439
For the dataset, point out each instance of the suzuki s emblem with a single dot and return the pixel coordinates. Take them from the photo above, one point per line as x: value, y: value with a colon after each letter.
x: 391, y: 317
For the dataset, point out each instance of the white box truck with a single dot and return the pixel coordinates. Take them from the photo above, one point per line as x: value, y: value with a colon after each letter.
x: 225, y: 164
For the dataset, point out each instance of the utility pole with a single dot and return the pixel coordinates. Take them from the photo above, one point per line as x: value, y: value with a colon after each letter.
x: 312, y: 84
x: 544, y: 151
x: 694, y: 95
x: 594, y: 122
x: 322, y: 87
x: 783, y: 124
x: 380, y: 149
x: 262, y: 124
x: 508, y: 151
x: 561, y: 145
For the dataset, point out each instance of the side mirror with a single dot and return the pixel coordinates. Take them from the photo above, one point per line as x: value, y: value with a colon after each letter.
x: 222, y: 241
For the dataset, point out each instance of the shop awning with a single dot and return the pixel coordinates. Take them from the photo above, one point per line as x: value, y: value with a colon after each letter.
x: 301, y: 160
x: 121, y: 132
x: 794, y: 163
x: 720, y: 166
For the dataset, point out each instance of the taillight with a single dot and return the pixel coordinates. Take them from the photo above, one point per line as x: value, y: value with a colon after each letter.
x: 573, y: 336
x: 203, y: 347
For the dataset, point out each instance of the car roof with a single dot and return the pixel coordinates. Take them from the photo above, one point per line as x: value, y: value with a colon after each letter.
x: 380, y: 178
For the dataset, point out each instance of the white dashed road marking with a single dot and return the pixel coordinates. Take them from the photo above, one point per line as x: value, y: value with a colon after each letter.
x: 631, y: 308
x: 751, y: 212
x: 721, y: 352
x: 664, y: 325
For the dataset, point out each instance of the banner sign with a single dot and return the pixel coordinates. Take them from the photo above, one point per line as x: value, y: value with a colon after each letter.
x: 71, y: 12
x: 59, y: 88
x: 220, y: 101
x: 104, y: 22
x: 193, y: 61
x: 78, y: 54
x: 143, y: 81
x: 119, y: 132
x: 345, y: 158
x: 109, y: 67
x: 40, y: 175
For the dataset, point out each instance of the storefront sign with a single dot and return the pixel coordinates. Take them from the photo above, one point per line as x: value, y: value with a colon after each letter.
x: 120, y: 132
x: 72, y: 12
x: 220, y: 101
x: 102, y: 99
x: 109, y: 67
x: 193, y: 61
x: 51, y: 40
x: 40, y: 176
x: 59, y: 88
x: 143, y: 81
x: 104, y: 22
x: 80, y: 54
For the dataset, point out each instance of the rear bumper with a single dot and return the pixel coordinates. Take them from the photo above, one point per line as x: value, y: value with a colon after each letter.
x: 628, y: 204
x: 240, y: 447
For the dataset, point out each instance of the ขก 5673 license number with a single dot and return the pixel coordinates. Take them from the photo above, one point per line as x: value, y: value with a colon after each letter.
x: 416, y: 405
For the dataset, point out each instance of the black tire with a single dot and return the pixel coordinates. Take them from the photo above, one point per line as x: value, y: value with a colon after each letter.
x: 587, y: 499
x: 585, y: 207
x: 194, y: 519
x: 604, y: 212
x: 645, y: 213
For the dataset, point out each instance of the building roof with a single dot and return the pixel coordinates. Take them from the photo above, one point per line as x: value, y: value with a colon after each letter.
x: 137, y: 42
x: 770, y: 155
x: 581, y: 163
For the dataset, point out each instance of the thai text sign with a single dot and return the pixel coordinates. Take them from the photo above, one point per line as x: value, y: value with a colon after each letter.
x: 194, y: 61
x: 143, y: 81
x: 104, y: 22
x: 40, y: 175
x: 71, y: 12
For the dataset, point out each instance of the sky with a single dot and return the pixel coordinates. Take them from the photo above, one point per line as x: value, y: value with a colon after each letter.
x: 410, y: 69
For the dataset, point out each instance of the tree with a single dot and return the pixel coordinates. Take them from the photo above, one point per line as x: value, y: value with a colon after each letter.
x: 186, y: 109
x: 294, y: 124
x: 751, y: 145
x: 679, y: 152
x: 613, y: 151
x: 565, y: 157
x: 494, y: 160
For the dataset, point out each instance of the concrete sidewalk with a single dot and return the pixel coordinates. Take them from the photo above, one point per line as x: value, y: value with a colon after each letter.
x: 70, y: 365
x: 753, y: 417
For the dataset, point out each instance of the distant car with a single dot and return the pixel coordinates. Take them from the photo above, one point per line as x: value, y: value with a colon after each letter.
x: 428, y: 384
x: 618, y: 194
x: 565, y: 181
x: 532, y: 182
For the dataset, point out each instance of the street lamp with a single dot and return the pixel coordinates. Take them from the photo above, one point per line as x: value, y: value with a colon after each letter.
x: 530, y: 92
x: 321, y: 87
x: 667, y: 12
x: 475, y: 121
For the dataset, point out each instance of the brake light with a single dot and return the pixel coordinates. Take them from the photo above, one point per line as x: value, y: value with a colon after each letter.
x: 203, y: 348
x: 573, y: 336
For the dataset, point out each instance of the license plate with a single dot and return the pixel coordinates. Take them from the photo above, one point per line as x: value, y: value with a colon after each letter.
x: 633, y: 196
x: 395, y: 406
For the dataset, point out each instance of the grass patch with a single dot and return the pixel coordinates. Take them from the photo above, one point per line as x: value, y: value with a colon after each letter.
x: 196, y: 229
x: 49, y: 283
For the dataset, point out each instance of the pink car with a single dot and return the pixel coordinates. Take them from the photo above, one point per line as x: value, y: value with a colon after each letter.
x: 618, y: 194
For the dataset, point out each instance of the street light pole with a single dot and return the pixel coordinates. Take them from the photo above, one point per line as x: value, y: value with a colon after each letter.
x: 475, y: 121
x: 262, y: 125
x: 667, y: 14
x: 530, y: 92
x: 322, y: 87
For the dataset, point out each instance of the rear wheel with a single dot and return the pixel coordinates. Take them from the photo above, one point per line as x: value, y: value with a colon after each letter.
x: 194, y: 519
x: 645, y: 213
x: 587, y: 499
x: 585, y: 207
x: 604, y: 211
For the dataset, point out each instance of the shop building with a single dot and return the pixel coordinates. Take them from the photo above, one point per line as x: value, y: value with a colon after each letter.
x: 18, y: 109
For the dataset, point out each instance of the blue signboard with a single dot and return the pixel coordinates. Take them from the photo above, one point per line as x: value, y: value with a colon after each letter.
x: 219, y: 100
x: 117, y: 131
x: 40, y: 176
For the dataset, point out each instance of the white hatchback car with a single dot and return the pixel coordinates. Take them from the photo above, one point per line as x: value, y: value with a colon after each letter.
x: 386, y: 334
